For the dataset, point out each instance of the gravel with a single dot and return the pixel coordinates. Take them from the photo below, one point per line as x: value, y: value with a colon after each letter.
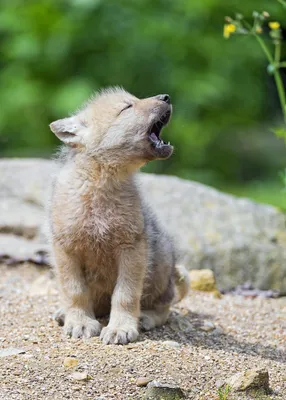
x: 246, y: 333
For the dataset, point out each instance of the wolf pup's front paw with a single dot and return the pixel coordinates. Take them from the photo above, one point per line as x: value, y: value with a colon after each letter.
x: 81, y: 326
x: 122, y: 335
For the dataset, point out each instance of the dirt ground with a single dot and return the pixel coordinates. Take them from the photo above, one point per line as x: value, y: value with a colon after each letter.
x: 214, y: 339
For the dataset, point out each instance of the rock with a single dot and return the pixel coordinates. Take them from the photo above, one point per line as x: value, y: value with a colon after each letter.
x: 171, y: 343
x: 161, y: 391
x: 80, y: 376
x: 217, y: 294
x: 25, y: 179
x: 247, y: 290
x: 203, y: 280
x: 220, y: 383
x: 250, y: 379
x: 19, y: 248
x: 22, y: 194
x: 142, y: 381
x: 238, y: 239
x: 70, y: 362
x: 19, y: 218
x: 208, y: 326
x: 11, y: 351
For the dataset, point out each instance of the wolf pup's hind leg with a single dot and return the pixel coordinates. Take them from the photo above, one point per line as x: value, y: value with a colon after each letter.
x: 149, y: 319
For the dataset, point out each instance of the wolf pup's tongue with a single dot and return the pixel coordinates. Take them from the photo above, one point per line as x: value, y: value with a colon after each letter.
x: 153, y: 136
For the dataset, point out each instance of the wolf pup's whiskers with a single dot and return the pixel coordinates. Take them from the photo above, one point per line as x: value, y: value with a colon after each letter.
x: 110, y: 253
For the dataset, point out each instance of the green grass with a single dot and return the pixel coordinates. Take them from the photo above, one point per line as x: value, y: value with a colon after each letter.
x: 223, y: 392
x: 263, y: 192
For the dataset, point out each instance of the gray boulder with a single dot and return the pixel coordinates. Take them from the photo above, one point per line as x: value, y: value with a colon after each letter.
x: 237, y: 238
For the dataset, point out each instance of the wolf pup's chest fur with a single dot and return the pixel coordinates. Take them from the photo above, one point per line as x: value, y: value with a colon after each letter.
x: 98, y: 215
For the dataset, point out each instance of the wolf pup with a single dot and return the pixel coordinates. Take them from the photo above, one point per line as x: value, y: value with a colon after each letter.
x: 110, y: 253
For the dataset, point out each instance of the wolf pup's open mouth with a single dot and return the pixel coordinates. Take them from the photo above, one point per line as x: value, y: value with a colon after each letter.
x: 162, y: 149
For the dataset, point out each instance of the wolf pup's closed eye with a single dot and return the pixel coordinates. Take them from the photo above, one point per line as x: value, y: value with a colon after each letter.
x: 110, y: 253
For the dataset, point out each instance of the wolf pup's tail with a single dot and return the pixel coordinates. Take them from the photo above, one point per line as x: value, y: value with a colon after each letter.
x: 182, y: 282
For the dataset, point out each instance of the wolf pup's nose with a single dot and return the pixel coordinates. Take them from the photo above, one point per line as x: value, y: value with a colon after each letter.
x: 165, y: 98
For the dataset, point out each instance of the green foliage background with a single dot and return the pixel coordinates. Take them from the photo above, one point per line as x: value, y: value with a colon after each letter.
x: 56, y: 53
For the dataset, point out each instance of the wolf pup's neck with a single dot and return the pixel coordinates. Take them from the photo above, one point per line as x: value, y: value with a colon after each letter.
x: 89, y: 169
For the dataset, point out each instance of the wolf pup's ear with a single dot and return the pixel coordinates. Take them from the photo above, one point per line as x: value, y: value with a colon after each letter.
x: 68, y: 130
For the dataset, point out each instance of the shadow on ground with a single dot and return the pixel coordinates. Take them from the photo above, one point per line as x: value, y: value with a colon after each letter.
x: 186, y: 329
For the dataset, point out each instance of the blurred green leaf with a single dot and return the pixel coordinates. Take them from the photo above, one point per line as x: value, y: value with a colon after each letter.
x: 70, y: 96
x: 280, y: 132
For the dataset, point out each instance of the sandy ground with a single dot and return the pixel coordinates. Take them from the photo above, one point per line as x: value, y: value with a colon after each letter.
x: 248, y: 333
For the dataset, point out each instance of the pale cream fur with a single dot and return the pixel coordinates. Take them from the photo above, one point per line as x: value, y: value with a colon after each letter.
x: 111, y: 255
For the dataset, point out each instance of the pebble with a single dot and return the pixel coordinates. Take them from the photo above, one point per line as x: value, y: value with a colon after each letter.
x: 219, y: 383
x: 203, y: 280
x: 208, y: 326
x: 252, y: 378
x: 158, y: 391
x: 70, y: 362
x: 143, y: 381
x: 11, y: 351
x: 171, y: 343
x: 80, y: 376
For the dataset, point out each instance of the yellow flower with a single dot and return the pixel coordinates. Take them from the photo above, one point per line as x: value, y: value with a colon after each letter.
x: 228, y: 29
x: 258, y: 29
x: 274, y: 25
x: 231, y: 28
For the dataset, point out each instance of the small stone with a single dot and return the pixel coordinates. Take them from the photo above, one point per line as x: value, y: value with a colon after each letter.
x: 219, y: 331
x: 17, y: 373
x: 143, y: 381
x: 208, y: 326
x: 171, y: 343
x: 217, y: 294
x: 80, y: 376
x: 219, y: 383
x: 70, y: 362
x: 250, y: 379
x: 158, y: 391
x: 11, y: 351
x: 203, y: 280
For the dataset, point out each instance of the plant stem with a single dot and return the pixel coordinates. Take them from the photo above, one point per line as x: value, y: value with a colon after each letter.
x: 281, y: 92
x: 276, y: 73
x: 277, y: 52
